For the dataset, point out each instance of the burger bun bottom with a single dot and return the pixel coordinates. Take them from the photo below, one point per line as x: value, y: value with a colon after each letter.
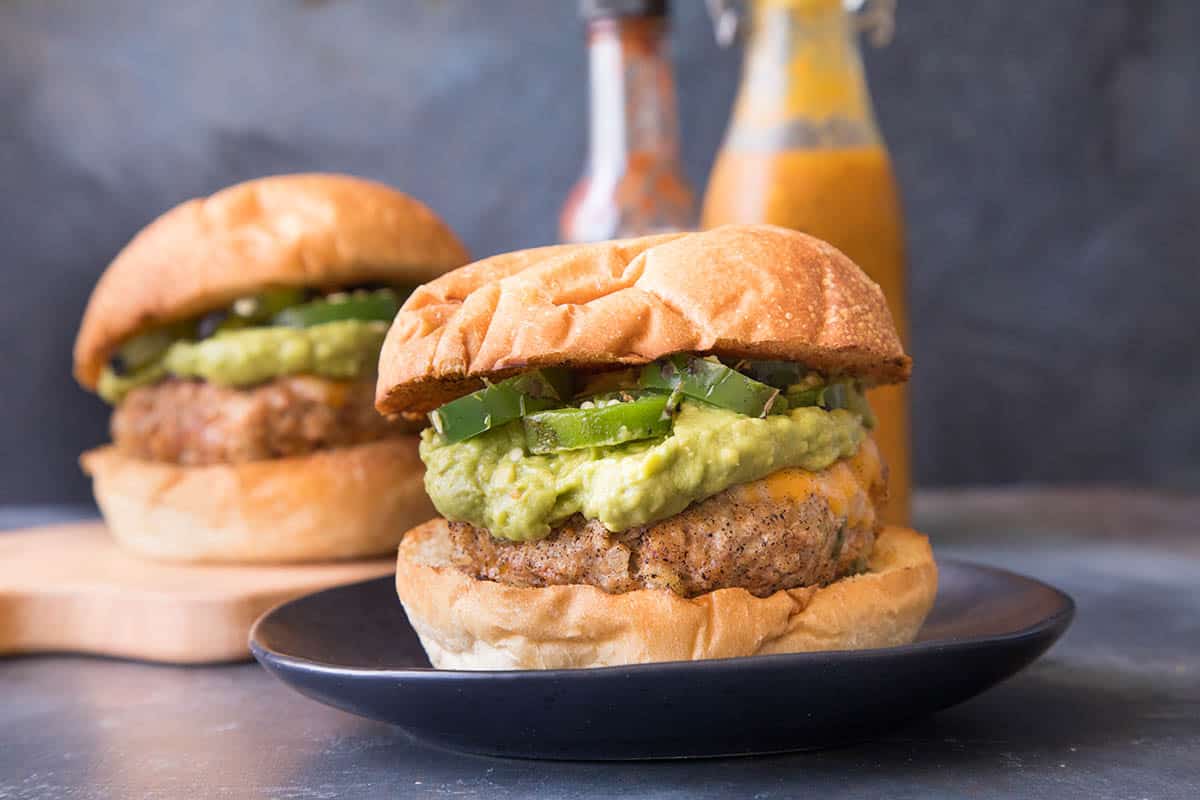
x: 331, y: 505
x: 471, y: 624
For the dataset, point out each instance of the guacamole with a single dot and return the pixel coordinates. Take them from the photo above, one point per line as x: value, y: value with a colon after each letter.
x: 340, y: 350
x: 490, y: 481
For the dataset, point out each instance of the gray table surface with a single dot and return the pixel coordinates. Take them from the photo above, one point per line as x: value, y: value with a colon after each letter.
x: 1112, y: 711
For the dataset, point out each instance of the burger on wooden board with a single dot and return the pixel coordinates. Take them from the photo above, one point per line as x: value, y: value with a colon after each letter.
x: 237, y: 337
x: 649, y: 450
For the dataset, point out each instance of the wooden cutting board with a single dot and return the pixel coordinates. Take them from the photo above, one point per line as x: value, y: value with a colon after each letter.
x: 69, y: 588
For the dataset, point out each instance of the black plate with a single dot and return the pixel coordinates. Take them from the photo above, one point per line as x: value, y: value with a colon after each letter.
x: 352, y: 648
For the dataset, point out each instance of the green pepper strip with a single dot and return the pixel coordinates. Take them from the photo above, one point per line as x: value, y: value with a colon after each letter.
x: 845, y: 394
x: 501, y: 403
x: 378, y: 305
x: 780, y: 374
x: 828, y: 396
x: 141, y: 351
x: 711, y: 382
x: 856, y: 402
x: 148, y: 348
x: 600, y: 426
x: 265, y: 305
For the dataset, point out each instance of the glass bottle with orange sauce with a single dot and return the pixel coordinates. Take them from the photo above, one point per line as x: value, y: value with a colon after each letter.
x: 803, y: 151
x: 633, y: 183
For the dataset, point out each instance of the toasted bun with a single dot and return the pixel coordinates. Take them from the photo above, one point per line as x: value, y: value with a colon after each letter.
x: 466, y: 623
x: 335, y: 504
x: 747, y: 291
x: 286, y: 230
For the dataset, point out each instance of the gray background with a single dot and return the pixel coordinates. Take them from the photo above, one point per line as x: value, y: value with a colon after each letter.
x: 1048, y: 154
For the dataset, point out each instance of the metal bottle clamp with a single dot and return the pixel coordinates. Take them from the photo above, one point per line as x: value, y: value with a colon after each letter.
x: 876, y: 18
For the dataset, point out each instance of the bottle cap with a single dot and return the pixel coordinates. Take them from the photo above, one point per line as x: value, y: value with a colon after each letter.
x: 598, y: 9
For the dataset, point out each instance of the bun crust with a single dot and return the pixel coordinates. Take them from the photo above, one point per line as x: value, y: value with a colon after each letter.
x: 466, y: 623
x: 751, y: 291
x: 285, y: 230
x: 350, y: 502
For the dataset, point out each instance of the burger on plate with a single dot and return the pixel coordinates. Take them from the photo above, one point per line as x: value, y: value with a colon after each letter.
x: 237, y: 337
x: 649, y: 450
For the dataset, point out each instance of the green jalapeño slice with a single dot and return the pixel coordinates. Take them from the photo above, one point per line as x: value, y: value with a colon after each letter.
x: 381, y: 304
x: 148, y: 348
x: 140, y: 352
x: 780, y: 374
x: 501, y: 403
x: 843, y: 393
x: 598, y: 424
x: 712, y: 382
x: 249, y: 311
x: 259, y: 308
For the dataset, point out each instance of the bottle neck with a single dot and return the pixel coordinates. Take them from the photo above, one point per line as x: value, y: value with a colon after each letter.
x: 803, y: 83
x: 632, y: 93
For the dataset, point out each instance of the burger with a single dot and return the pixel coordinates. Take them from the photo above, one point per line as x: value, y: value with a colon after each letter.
x: 237, y: 338
x: 653, y: 449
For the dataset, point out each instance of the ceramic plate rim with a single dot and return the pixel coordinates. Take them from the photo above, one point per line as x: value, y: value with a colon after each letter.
x: 1065, y: 612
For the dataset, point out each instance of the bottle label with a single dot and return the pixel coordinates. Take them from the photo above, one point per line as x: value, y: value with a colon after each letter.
x: 802, y: 134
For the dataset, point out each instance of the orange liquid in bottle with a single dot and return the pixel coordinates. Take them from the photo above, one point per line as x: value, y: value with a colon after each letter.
x: 803, y: 151
x: 848, y: 198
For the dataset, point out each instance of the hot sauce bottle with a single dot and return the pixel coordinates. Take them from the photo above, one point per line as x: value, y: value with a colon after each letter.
x: 633, y: 183
x: 803, y: 150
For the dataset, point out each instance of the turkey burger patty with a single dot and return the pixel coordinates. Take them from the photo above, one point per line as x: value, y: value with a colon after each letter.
x: 196, y: 422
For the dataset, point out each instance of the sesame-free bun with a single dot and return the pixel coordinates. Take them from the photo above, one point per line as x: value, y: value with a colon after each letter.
x: 343, y: 503
x: 744, y: 291
x: 466, y: 623
x: 285, y: 230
